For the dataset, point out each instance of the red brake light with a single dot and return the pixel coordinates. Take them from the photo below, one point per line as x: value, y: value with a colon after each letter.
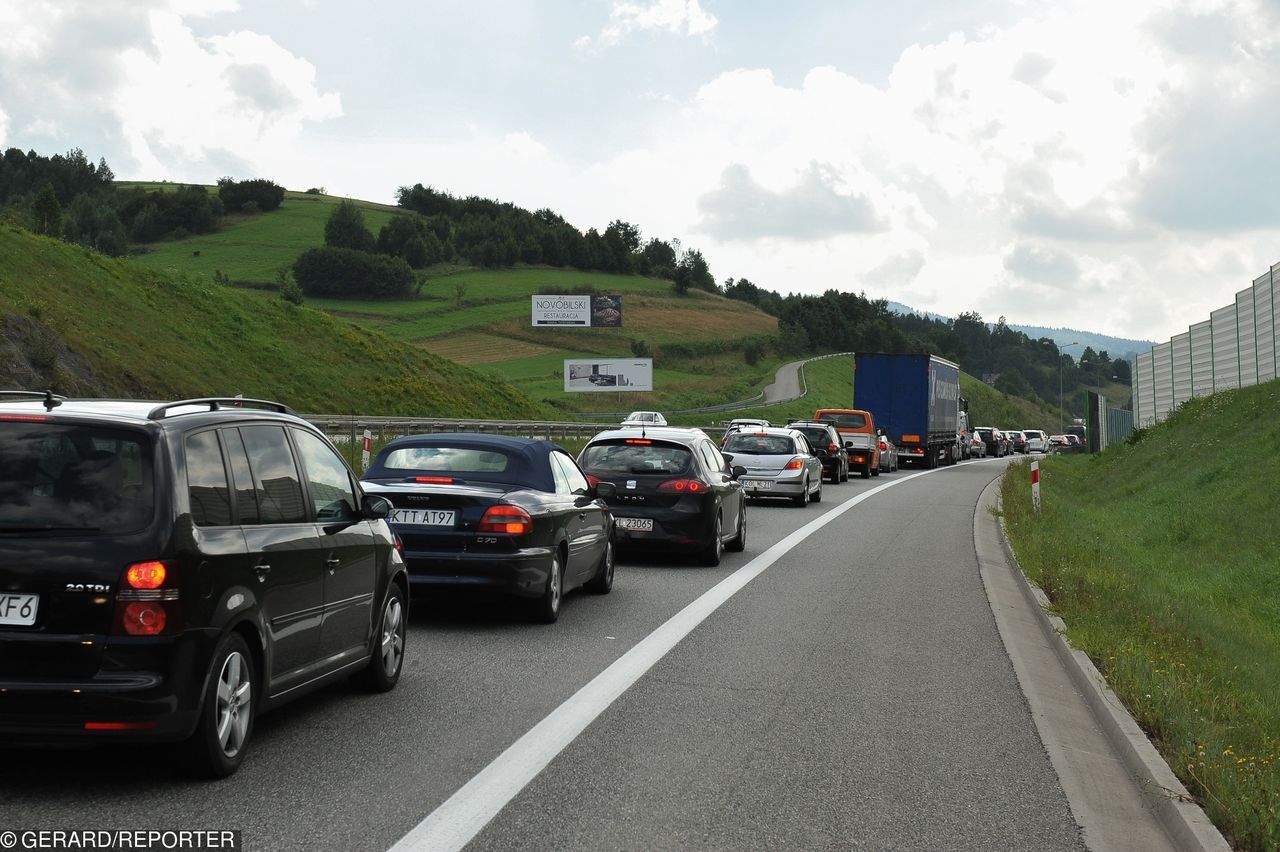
x: 511, y: 520
x: 684, y: 486
x: 637, y: 441
x: 121, y: 726
x: 145, y: 575
x: 434, y: 480
x: 832, y: 448
x: 145, y: 618
x: 794, y: 464
x: 593, y: 481
x: 26, y: 418
x: 884, y: 446
x: 148, y: 602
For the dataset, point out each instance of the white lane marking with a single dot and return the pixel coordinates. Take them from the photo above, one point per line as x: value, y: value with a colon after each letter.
x: 464, y: 814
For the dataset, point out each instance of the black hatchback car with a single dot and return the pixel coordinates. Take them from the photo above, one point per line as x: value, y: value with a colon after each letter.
x: 169, y: 570
x: 674, y: 490
x: 823, y: 436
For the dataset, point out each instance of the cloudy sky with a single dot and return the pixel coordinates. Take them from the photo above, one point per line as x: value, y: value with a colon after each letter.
x: 1104, y: 165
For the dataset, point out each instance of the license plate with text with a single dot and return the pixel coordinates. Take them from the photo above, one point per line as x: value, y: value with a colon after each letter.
x: 18, y: 609
x: 635, y: 524
x: 424, y: 517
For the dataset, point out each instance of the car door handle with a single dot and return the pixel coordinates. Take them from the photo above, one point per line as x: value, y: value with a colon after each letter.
x: 333, y: 562
x: 262, y: 569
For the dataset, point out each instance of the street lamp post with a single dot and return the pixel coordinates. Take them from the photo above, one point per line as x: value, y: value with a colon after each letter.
x: 1061, y: 424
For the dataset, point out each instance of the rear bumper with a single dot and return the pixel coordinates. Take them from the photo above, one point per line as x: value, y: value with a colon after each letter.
x: 522, y: 573
x: 681, y: 527
x: 151, y: 694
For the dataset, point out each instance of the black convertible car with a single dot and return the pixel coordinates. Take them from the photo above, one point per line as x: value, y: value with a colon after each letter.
x: 496, y: 514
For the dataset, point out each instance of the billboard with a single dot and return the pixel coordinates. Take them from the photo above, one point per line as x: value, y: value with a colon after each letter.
x: 596, y: 375
x: 582, y: 311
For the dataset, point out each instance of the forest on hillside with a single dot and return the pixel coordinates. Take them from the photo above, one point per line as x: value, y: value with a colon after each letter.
x: 69, y: 197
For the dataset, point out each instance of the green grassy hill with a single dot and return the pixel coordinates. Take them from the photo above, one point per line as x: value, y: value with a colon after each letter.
x: 1161, y: 555
x: 481, y: 318
x: 86, y: 324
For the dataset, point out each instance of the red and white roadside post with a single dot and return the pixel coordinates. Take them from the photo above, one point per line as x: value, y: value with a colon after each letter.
x: 1035, y: 486
x: 366, y: 444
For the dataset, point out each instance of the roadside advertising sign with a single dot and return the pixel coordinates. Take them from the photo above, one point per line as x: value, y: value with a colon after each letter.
x: 581, y: 311
x: 597, y: 375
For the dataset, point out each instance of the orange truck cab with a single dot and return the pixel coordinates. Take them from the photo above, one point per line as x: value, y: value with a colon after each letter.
x: 857, y: 430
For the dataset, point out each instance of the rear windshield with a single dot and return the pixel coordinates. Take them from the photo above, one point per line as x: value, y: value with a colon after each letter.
x: 63, y: 477
x: 845, y: 421
x: 1032, y: 433
x: 623, y: 456
x: 447, y: 460
x: 749, y: 444
x: 817, y: 437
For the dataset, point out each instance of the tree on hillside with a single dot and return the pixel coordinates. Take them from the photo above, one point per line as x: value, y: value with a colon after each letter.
x: 345, y: 229
x: 46, y: 212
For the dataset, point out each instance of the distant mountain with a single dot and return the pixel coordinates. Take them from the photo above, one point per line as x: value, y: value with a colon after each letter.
x: 1116, y: 347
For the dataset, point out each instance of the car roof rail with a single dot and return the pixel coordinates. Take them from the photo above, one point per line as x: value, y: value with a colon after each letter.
x: 216, y: 403
x: 51, y: 399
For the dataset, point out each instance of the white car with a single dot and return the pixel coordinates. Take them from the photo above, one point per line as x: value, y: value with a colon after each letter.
x: 1037, y: 441
x: 645, y: 418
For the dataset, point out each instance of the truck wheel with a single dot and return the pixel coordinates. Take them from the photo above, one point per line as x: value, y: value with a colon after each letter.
x: 866, y: 471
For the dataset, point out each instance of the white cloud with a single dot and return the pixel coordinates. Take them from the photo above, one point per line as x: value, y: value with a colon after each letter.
x: 679, y: 17
x: 184, y: 101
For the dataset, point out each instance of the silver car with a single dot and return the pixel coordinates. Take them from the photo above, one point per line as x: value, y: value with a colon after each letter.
x: 779, y: 462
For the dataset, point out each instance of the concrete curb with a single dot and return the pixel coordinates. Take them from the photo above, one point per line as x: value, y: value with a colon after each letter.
x: 1181, y: 818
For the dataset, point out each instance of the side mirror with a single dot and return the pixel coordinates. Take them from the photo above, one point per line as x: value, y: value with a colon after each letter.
x: 376, y: 507
x: 820, y: 452
x: 605, y: 490
x: 728, y: 458
x: 738, y: 470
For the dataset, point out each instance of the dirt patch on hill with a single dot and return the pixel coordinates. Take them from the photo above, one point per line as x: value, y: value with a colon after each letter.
x: 35, y: 357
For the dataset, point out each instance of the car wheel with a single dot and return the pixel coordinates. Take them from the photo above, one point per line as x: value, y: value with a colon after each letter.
x: 817, y: 494
x: 383, y: 672
x: 222, y: 734
x: 715, y: 549
x: 875, y: 471
x: 738, y: 543
x: 546, y: 608
x: 866, y: 472
x: 803, y: 498
x: 602, y: 582
x: 845, y: 475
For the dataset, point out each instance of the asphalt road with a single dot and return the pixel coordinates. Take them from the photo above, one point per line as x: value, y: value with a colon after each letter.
x: 853, y: 695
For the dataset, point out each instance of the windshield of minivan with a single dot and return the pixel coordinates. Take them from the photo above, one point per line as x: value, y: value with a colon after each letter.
x: 66, y: 478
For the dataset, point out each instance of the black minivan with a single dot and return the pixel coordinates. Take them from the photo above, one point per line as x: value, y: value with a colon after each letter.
x: 169, y: 570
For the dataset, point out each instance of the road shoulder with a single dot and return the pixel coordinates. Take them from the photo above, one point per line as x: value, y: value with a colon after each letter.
x: 1121, y: 791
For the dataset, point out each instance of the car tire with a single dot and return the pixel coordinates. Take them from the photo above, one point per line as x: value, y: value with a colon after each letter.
x: 738, y: 543
x: 817, y: 494
x: 846, y: 472
x: 866, y: 472
x: 875, y: 471
x: 714, y: 550
x: 387, y: 659
x: 218, y: 745
x: 602, y: 582
x: 546, y: 609
x: 802, y: 499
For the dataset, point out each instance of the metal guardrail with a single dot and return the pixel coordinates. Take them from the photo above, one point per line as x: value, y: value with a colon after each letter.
x: 348, y: 430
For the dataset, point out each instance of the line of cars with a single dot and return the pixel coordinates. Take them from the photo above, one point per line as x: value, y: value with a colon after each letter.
x: 168, y: 571
x: 996, y: 443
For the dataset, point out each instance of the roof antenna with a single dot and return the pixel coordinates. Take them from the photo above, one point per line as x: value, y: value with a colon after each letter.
x: 50, y: 401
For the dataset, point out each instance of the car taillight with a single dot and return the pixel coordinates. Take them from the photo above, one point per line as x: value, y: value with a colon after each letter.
x: 148, y: 603
x: 511, y: 520
x: 399, y: 543
x: 434, y: 480
x: 859, y: 459
x: 832, y: 448
x: 884, y: 447
x: 794, y: 464
x: 684, y: 486
x: 593, y: 481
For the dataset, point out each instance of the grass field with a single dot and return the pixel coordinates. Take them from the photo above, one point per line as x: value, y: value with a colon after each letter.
x: 102, y: 326
x: 1163, y: 559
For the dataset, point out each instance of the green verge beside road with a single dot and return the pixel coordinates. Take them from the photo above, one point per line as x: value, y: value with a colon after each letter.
x: 1162, y: 557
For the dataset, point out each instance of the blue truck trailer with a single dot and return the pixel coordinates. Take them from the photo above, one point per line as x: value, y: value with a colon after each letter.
x: 915, y: 399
